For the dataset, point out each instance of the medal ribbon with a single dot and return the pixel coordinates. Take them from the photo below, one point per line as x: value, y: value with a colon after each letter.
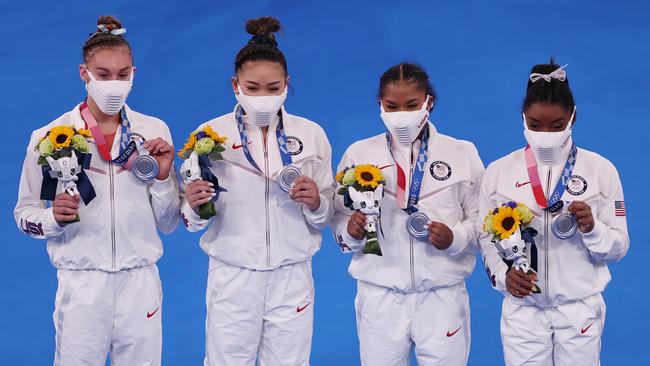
x: 127, y: 146
x: 418, y: 174
x: 554, y: 203
x: 281, y: 138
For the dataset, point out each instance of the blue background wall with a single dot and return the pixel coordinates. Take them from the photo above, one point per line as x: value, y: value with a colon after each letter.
x: 478, y: 54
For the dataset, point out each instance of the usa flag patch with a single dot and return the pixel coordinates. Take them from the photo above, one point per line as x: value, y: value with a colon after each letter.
x: 619, y: 208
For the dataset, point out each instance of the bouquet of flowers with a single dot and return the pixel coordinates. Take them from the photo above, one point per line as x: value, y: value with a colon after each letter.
x: 63, y: 154
x: 508, y: 224
x: 362, y: 190
x: 201, y: 147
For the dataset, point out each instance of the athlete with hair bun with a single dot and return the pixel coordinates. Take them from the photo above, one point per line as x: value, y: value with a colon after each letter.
x: 579, y: 224
x: 276, y: 170
x: 413, y: 296
x: 109, y: 295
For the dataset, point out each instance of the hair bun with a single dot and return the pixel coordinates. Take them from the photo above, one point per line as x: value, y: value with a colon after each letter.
x: 109, y: 22
x: 263, y: 27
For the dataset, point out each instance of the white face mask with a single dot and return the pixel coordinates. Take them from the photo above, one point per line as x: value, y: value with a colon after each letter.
x: 548, y: 145
x: 405, y: 126
x: 260, y: 109
x: 109, y: 95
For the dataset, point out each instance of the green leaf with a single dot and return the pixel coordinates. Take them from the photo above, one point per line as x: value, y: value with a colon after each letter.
x: 42, y: 160
x: 220, y: 148
x: 342, y: 191
x: 207, y: 210
x: 372, y: 245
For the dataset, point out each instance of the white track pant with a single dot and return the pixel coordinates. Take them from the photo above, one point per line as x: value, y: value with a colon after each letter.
x: 435, y: 323
x: 98, y: 312
x: 259, y: 315
x: 568, y: 334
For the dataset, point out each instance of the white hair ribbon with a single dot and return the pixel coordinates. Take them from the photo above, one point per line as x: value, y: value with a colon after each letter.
x: 558, y: 74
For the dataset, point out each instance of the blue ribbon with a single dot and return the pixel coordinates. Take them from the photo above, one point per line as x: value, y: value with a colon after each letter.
x: 418, y: 173
x: 84, y: 185
x: 281, y: 137
x: 554, y: 202
x: 206, y: 175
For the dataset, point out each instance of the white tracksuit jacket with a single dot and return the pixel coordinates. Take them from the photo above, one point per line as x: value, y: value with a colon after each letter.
x: 118, y: 228
x: 572, y: 269
x: 257, y: 225
x: 409, y: 265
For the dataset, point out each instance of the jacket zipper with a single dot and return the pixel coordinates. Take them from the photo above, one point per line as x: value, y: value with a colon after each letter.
x: 548, y: 193
x: 410, y: 237
x: 266, y: 202
x: 112, y: 194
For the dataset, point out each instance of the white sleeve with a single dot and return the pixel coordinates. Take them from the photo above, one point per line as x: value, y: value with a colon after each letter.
x: 326, y: 186
x: 31, y: 213
x: 466, y: 231
x: 342, y: 215
x: 609, y: 241
x: 164, y: 196
x: 495, y: 267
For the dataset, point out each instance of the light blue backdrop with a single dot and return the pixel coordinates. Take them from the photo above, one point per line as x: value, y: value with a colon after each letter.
x: 478, y: 54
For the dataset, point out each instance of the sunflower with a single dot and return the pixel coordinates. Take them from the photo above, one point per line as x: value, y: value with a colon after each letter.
x: 505, y: 222
x: 61, y: 136
x: 219, y: 140
x: 368, y: 176
x: 189, y: 145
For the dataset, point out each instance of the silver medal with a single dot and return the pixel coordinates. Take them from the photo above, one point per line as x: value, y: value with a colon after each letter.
x: 417, y: 225
x: 145, y: 167
x: 287, y: 176
x: 564, y: 226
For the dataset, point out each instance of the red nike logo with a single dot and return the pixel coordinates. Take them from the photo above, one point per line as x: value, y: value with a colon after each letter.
x: 519, y: 185
x: 385, y: 166
x: 584, y: 330
x: 300, y: 309
x: 451, y: 334
x: 235, y: 147
x: 149, y: 315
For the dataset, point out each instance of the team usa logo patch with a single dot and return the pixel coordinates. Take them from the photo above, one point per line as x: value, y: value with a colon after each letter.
x: 294, y: 145
x: 577, y: 185
x: 440, y: 170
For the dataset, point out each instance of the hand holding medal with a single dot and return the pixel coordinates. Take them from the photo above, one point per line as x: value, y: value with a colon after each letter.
x: 162, y: 153
x: 304, y: 190
x: 582, y: 214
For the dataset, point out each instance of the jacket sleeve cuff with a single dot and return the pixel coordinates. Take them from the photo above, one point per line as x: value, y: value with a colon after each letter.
x: 191, y: 220
x: 51, y: 227
x: 315, y: 216
x: 348, y: 243
x: 459, y: 242
x: 161, y: 188
x: 595, y: 236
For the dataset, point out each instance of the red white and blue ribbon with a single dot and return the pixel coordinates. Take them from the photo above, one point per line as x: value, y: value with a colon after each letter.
x: 416, y: 179
x: 554, y: 202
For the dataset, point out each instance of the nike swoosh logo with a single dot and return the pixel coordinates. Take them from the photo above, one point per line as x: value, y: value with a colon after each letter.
x: 300, y: 309
x: 451, y: 334
x: 235, y: 147
x: 149, y: 315
x: 386, y: 166
x: 519, y: 185
x: 584, y: 330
